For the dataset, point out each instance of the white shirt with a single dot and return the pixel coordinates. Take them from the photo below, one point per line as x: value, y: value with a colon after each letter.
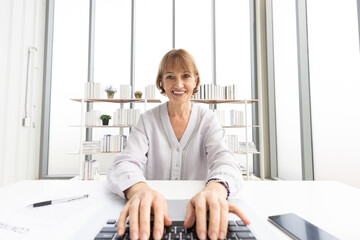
x: 153, y: 152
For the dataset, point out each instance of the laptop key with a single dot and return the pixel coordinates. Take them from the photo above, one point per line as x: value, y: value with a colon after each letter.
x: 166, y: 236
x: 109, y: 229
x: 234, y: 229
x: 111, y: 221
x: 126, y: 237
x: 186, y: 236
x: 177, y: 223
x: 123, y: 237
x: 195, y: 237
x: 231, y: 235
x: 245, y: 235
x: 171, y: 230
x: 240, y: 223
x: 180, y: 229
x: 104, y: 236
x: 231, y: 223
x: 244, y: 229
x: 175, y: 236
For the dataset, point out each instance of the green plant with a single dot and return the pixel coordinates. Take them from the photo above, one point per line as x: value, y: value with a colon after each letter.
x: 138, y: 94
x: 105, y: 117
x: 110, y: 90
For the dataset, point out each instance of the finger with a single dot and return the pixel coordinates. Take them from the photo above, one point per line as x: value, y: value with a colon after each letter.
x: 134, y: 219
x: 200, y: 212
x: 224, y: 213
x: 167, y: 220
x: 240, y: 214
x: 122, y: 220
x: 158, y: 219
x: 190, y: 215
x: 214, y: 221
x: 145, y: 210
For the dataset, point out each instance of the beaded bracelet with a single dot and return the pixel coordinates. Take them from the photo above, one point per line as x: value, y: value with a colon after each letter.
x: 225, y: 184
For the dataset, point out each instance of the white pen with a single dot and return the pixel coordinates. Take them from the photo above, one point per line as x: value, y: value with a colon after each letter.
x: 50, y: 202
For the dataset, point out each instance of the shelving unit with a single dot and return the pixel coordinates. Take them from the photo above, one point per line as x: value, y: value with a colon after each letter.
x: 108, y: 126
x: 246, y: 102
x: 82, y: 125
x: 93, y: 153
x: 239, y: 126
x: 211, y: 104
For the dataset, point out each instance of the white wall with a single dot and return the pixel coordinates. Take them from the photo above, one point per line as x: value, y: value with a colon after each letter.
x: 335, y: 87
x: 21, y: 26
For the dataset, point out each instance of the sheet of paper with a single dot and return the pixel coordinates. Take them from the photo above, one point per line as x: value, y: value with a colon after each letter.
x: 33, y: 223
x: 26, y: 222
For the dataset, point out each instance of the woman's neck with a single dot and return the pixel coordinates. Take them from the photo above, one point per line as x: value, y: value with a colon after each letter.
x: 182, y: 110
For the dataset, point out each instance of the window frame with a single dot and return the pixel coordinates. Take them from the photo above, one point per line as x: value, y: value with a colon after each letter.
x: 48, y: 48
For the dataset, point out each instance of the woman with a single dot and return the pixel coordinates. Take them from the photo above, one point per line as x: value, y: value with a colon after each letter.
x: 176, y: 140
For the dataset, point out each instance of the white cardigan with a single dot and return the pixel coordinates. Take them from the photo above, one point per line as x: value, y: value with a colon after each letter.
x: 153, y: 152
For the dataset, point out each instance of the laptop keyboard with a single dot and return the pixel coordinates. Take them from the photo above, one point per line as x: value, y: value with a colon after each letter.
x: 237, y: 230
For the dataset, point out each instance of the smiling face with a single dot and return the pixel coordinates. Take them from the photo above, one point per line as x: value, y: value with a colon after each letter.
x: 179, y: 85
x: 178, y: 65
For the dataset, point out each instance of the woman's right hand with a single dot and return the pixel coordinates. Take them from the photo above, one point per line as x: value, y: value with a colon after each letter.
x: 142, y: 202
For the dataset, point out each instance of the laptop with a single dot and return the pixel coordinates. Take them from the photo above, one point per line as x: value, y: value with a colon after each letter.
x: 103, y: 224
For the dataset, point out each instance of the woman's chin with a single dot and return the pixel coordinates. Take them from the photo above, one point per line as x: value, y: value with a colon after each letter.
x: 179, y: 99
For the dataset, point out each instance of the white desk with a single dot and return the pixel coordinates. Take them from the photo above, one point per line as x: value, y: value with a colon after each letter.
x: 332, y: 206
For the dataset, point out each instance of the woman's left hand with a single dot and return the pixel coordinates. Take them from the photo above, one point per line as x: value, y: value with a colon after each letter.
x: 213, y: 199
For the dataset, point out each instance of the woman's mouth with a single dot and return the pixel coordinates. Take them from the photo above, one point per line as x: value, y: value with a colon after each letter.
x: 178, y: 92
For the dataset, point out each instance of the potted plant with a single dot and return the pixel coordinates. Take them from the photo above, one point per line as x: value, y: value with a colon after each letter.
x: 110, y: 91
x: 105, y: 119
x: 138, y: 94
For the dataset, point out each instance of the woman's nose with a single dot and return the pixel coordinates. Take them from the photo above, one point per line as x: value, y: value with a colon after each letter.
x: 179, y: 82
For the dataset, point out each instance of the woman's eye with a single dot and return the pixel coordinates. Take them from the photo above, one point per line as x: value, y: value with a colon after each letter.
x: 169, y: 77
x: 187, y: 75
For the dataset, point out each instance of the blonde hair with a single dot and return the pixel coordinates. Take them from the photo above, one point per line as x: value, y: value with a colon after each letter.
x: 177, y: 58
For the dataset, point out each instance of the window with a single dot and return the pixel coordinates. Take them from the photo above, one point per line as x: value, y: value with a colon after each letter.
x: 69, y: 73
x: 334, y: 73
x: 152, y: 39
x: 287, y: 90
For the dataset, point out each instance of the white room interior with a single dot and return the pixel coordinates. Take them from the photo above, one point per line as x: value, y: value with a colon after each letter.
x: 334, y: 73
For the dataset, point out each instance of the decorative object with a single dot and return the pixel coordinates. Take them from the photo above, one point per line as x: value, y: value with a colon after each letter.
x: 138, y: 94
x: 110, y: 91
x: 105, y: 119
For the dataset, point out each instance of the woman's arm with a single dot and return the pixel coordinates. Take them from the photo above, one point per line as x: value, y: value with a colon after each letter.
x: 212, y: 200
x: 128, y: 166
x: 220, y: 159
x: 225, y: 179
x: 126, y: 178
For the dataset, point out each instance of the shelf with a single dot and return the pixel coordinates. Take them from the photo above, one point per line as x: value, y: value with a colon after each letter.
x: 92, y: 153
x: 102, y: 126
x: 114, y: 100
x: 216, y: 101
x: 236, y: 152
x: 239, y: 126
